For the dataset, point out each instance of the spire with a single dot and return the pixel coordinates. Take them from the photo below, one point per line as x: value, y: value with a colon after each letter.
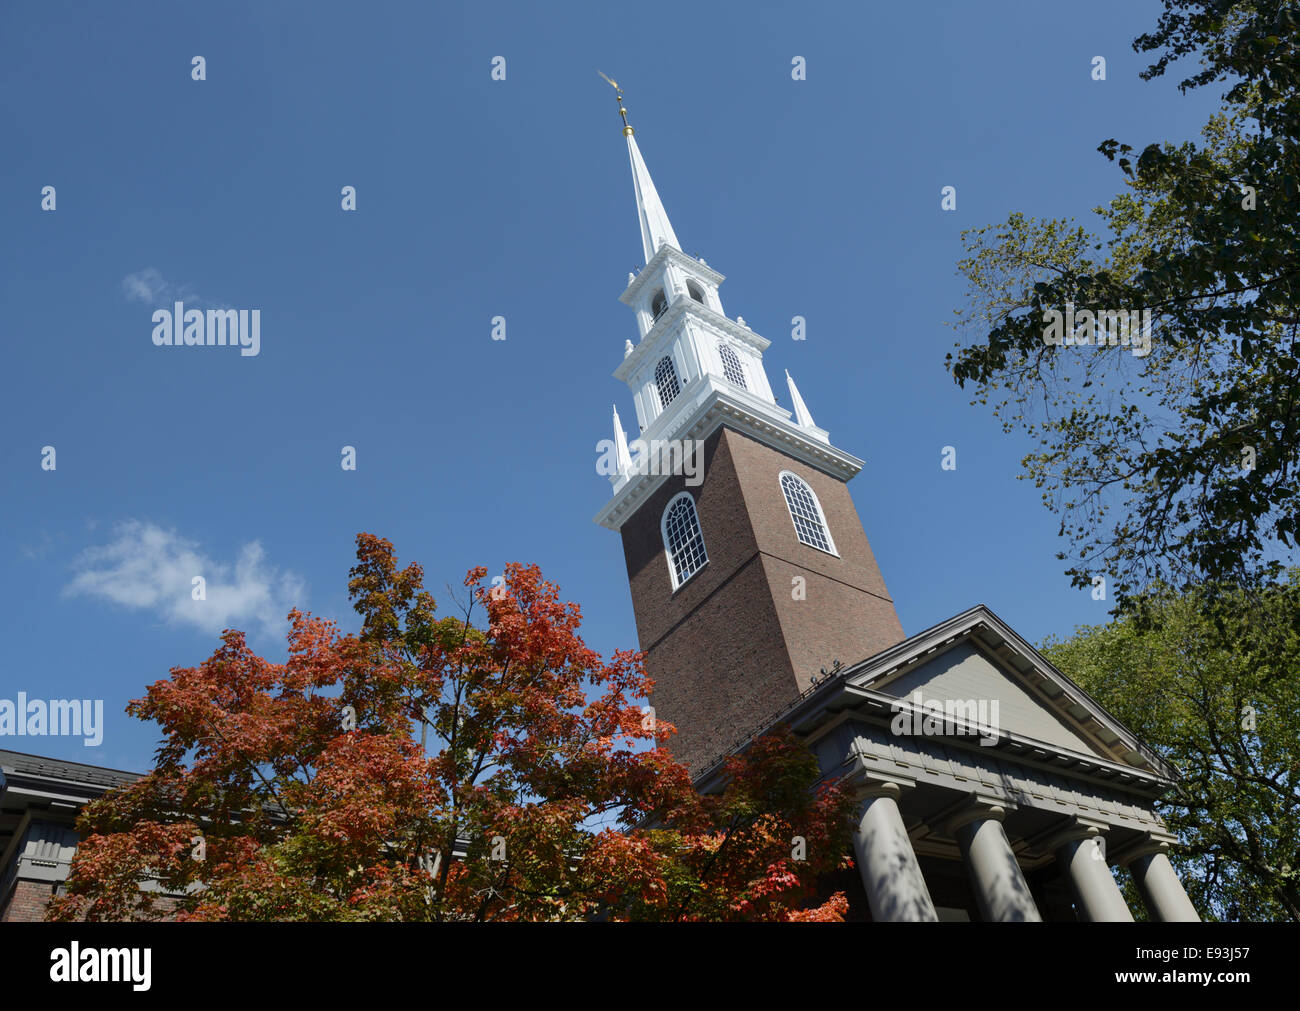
x: 656, y: 229
x: 801, y: 414
x: 622, y: 457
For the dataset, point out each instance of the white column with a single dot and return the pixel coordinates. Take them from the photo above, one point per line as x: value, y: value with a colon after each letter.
x: 895, y: 886
x: 995, y: 876
x: 1084, y: 863
x: 1156, y: 879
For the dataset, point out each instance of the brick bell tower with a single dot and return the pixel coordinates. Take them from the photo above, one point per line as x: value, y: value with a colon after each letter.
x: 749, y: 567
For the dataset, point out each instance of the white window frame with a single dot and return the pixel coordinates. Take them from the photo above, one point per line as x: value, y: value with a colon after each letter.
x: 668, y: 551
x: 677, y: 381
x: 723, y: 350
x: 821, y: 513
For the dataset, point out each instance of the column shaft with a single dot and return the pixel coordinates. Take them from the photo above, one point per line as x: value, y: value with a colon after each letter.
x: 895, y: 887
x: 1099, y: 898
x: 1161, y: 890
x: 995, y: 876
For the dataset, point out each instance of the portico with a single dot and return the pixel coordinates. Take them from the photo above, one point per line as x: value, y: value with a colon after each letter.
x: 1025, y: 821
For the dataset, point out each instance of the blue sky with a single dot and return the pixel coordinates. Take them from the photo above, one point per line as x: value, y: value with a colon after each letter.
x: 478, y: 198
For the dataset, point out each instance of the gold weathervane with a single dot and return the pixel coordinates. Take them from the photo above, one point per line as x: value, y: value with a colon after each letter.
x: 627, y: 129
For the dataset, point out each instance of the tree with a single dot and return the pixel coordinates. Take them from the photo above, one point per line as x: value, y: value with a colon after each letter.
x: 1209, y: 680
x: 756, y: 851
x: 434, y: 768
x: 1178, y: 465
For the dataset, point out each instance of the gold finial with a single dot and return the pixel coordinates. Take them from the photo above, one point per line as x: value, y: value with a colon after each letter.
x: 627, y: 129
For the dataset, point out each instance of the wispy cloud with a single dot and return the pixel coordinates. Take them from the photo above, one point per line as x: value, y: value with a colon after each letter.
x: 146, y: 568
x: 150, y: 286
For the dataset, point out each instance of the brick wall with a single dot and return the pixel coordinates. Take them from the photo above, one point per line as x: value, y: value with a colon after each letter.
x: 27, y: 902
x: 29, y: 898
x: 732, y: 646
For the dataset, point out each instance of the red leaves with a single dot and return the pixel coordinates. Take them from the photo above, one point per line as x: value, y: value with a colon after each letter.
x: 755, y: 851
x: 445, y: 768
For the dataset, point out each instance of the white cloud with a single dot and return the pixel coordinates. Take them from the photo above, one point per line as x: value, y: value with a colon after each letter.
x: 150, y: 286
x: 147, y: 285
x: 147, y: 568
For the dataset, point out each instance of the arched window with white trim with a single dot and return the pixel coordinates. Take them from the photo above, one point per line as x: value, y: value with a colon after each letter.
x: 666, y: 381
x: 806, y: 513
x: 683, y: 538
x: 732, y: 370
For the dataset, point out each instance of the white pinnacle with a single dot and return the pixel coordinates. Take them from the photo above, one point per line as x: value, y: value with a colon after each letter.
x: 801, y: 414
x: 622, y: 457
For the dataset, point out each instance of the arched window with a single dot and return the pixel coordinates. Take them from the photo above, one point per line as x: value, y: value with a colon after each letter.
x: 658, y: 304
x: 666, y: 381
x: 695, y: 292
x: 683, y: 539
x: 806, y: 512
x: 731, y: 367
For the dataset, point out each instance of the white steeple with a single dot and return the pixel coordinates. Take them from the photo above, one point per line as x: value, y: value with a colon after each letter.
x: 656, y: 229
x: 693, y: 369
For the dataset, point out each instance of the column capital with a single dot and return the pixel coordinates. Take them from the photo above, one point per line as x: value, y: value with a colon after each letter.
x: 975, y: 809
x: 1143, y: 847
x: 873, y: 788
x: 868, y: 782
x: 1076, y: 830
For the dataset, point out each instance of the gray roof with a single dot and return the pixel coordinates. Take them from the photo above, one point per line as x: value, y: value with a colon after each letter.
x: 20, y: 764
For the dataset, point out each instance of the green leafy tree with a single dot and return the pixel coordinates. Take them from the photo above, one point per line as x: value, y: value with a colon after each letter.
x: 1179, y: 465
x: 1211, y: 680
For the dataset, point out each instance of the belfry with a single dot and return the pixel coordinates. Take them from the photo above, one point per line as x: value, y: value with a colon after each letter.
x: 759, y: 603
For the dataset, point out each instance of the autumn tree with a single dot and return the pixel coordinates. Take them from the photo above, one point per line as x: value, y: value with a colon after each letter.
x: 1179, y: 465
x: 483, y: 765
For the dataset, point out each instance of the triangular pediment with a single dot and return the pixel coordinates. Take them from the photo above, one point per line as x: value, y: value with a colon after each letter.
x: 976, y: 658
x: 965, y: 679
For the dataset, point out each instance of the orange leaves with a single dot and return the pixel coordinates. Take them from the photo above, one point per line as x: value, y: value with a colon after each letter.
x: 833, y: 910
x: 460, y: 767
x: 116, y: 864
x: 755, y: 851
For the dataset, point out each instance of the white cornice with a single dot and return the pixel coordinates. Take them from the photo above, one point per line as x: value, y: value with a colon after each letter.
x: 701, y: 313
x: 717, y: 407
x: 667, y: 252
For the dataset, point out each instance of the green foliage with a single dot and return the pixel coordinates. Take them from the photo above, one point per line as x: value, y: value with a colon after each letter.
x: 1211, y: 680
x: 1178, y: 466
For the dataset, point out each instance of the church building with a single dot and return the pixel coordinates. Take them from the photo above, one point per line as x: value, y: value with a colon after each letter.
x: 991, y: 786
